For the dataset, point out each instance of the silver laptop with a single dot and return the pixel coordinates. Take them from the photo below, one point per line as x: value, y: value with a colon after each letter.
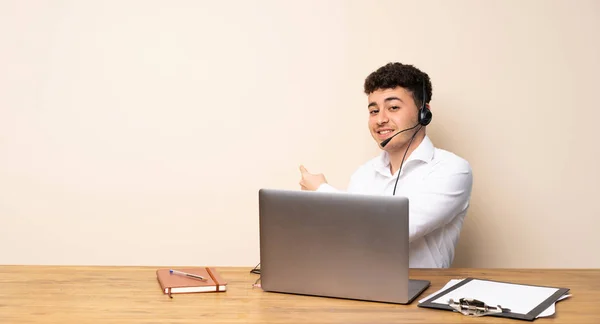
x: 336, y: 245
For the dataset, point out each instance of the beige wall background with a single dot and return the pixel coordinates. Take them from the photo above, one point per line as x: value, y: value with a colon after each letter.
x: 139, y: 132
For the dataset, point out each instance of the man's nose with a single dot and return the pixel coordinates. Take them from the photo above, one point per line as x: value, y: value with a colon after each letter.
x: 382, y: 117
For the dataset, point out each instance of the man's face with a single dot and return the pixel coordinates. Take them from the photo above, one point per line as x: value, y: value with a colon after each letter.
x: 390, y: 111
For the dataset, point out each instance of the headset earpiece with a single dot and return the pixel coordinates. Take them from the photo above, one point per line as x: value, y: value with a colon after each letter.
x: 425, y: 114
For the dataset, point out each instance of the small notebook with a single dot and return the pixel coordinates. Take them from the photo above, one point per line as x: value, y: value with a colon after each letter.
x: 526, y: 302
x: 177, y: 284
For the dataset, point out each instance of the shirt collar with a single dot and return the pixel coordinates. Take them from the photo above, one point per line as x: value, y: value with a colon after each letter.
x: 424, y: 152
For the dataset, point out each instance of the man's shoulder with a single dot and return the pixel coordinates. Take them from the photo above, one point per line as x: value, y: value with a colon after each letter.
x: 444, y: 160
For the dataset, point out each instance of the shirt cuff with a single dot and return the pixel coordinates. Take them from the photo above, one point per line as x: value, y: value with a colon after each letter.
x: 325, y: 187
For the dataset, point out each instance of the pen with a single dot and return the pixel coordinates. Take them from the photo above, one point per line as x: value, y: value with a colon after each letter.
x: 185, y: 274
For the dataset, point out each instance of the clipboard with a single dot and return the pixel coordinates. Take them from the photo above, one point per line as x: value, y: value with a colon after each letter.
x: 525, y: 302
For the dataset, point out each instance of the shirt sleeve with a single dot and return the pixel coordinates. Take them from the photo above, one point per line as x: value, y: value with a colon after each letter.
x: 439, y: 201
x: 325, y: 187
x: 352, y: 185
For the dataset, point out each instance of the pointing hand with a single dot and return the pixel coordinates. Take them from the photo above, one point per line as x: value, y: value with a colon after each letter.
x: 310, y: 181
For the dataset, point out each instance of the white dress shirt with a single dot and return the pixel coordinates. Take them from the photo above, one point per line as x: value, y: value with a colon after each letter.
x: 438, y: 185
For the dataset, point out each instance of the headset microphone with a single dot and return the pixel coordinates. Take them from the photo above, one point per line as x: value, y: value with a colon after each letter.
x: 387, y: 140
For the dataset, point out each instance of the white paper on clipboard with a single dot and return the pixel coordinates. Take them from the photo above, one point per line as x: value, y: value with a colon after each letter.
x: 527, y: 299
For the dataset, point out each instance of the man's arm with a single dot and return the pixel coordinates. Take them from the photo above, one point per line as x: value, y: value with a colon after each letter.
x: 317, y: 182
x: 439, y: 201
x: 432, y: 206
x: 326, y: 187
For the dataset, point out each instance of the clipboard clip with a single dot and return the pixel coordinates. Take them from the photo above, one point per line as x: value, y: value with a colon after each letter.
x: 474, y: 307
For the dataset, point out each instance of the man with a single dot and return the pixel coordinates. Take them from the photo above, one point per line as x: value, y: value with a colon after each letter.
x: 437, y: 182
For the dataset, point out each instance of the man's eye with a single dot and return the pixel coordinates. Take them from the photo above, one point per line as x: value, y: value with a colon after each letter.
x: 394, y: 108
x: 373, y: 112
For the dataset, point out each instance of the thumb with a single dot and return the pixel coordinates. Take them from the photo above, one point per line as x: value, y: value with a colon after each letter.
x: 303, y: 169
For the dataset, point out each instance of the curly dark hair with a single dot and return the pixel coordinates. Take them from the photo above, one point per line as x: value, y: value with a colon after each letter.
x: 394, y: 75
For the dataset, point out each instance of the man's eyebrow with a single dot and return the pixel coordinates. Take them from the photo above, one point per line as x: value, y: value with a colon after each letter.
x: 393, y: 98
x: 386, y: 100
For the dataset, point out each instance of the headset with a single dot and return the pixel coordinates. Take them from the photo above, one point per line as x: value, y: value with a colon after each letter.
x: 424, y: 117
